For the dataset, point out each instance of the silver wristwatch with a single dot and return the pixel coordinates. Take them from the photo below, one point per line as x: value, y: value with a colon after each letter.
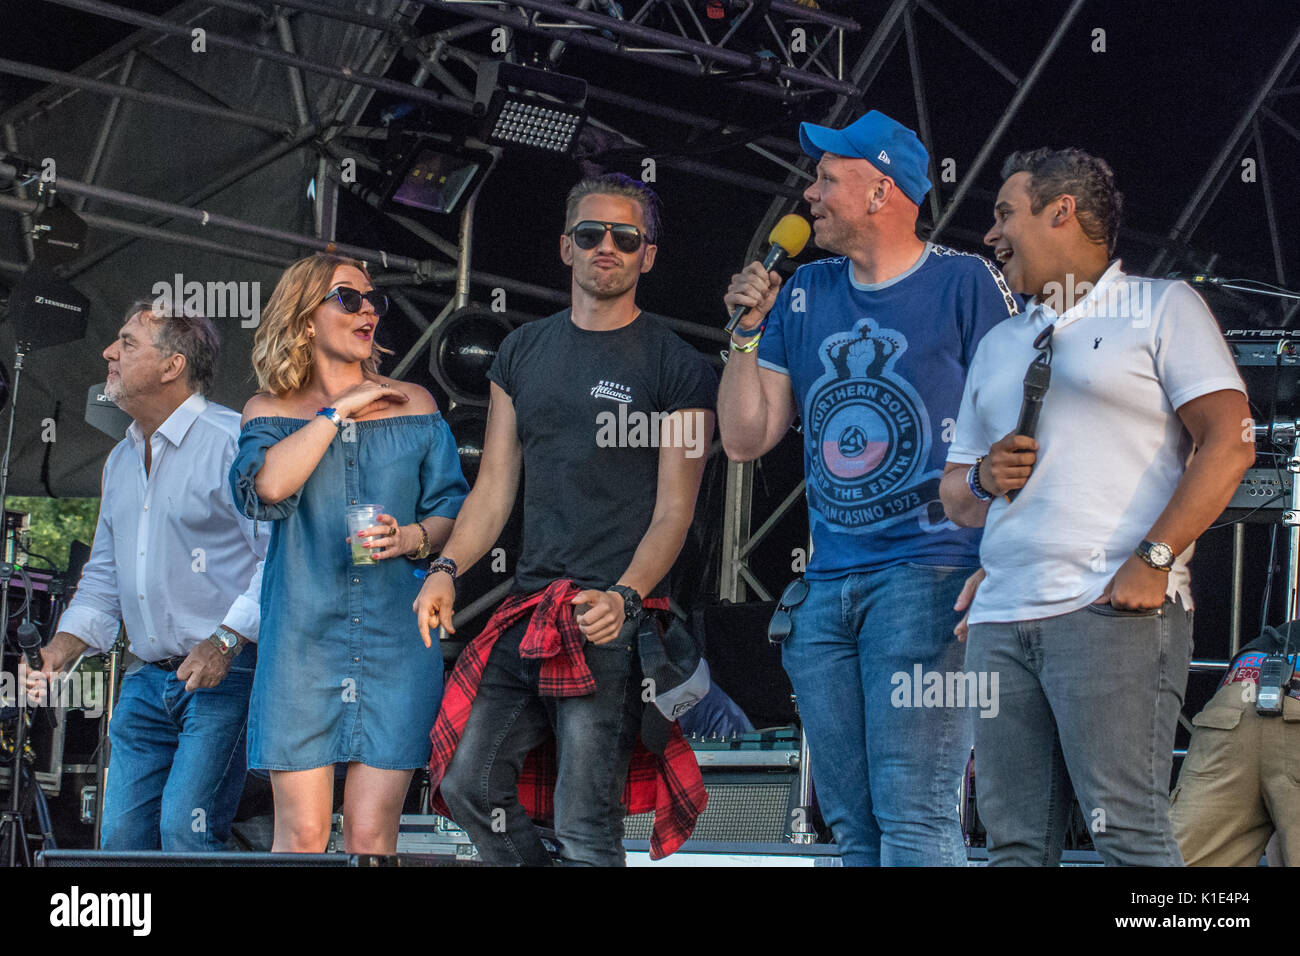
x: 1156, y: 554
x: 226, y: 641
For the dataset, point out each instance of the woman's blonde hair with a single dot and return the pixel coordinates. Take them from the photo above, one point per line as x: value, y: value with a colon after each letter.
x: 282, y: 349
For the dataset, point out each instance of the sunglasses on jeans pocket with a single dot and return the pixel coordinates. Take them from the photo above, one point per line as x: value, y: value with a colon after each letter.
x: 350, y: 300
x: 589, y: 233
x: 782, y: 624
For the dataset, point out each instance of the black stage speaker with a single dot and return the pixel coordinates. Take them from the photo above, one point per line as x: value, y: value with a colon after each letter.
x: 103, y: 414
x: 45, y: 310
x: 746, y: 807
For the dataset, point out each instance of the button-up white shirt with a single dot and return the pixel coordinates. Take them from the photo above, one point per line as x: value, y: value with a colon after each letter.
x: 172, y: 557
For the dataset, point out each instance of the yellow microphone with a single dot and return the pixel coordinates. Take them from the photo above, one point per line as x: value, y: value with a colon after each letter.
x: 787, y: 239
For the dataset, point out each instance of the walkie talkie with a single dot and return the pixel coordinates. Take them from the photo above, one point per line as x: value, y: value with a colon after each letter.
x: 1274, y: 682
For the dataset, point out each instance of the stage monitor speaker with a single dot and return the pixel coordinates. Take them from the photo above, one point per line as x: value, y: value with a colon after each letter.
x: 46, y: 311
x: 102, y: 413
x: 751, y: 807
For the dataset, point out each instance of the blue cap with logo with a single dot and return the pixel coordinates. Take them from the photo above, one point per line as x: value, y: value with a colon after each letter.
x: 885, y: 143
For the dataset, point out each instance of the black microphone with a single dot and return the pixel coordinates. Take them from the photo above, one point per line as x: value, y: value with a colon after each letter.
x: 1037, y: 378
x: 29, y: 641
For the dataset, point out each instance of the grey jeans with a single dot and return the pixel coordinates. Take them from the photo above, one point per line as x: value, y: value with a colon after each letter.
x: 1088, y: 699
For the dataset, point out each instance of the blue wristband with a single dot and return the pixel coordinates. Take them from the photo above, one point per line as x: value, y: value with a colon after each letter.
x: 748, y: 333
x: 333, y: 415
x: 973, y: 483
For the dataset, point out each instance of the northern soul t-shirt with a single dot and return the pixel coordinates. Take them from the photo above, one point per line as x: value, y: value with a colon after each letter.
x: 589, y: 409
x: 877, y: 372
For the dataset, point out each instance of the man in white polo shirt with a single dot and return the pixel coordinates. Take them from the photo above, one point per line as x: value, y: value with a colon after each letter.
x: 1085, y: 615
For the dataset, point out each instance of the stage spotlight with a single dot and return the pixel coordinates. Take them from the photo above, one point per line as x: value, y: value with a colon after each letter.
x: 464, y: 351
x: 431, y: 172
x: 530, y: 108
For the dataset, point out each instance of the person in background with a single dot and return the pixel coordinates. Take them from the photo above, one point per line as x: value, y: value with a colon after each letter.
x: 181, y: 568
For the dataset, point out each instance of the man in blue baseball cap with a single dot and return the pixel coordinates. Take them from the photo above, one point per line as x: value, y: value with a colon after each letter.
x: 870, y: 349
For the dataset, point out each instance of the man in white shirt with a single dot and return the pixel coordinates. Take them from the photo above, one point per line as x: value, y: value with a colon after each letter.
x: 175, y: 562
x: 1085, y: 615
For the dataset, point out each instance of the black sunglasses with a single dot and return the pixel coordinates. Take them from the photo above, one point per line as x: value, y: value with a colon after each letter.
x: 350, y: 300
x: 781, y: 625
x: 589, y: 233
x: 1043, y: 342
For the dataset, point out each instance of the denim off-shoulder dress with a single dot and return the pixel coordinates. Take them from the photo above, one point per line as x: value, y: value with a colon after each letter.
x: 342, y: 674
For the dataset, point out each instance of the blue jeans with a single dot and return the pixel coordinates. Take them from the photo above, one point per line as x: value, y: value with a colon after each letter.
x: 1088, y: 700
x: 888, y: 769
x: 178, y: 760
x: 594, y: 738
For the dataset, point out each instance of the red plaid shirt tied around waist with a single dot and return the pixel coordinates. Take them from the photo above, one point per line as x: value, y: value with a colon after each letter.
x: 670, y: 785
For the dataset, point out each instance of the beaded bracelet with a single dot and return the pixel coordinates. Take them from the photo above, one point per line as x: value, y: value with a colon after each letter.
x: 973, y: 482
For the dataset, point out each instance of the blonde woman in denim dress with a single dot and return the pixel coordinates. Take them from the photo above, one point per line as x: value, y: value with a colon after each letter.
x: 343, y: 676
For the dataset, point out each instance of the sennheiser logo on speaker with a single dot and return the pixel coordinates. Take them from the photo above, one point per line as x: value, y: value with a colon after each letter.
x: 77, y: 909
x: 41, y: 300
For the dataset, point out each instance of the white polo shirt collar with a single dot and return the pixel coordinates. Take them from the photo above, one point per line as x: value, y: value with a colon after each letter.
x: 1040, y: 315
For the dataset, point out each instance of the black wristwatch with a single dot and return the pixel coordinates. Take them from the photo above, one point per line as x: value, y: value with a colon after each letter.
x: 631, y: 600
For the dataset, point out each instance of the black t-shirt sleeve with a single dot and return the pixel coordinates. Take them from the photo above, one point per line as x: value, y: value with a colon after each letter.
x: 503, y: 364
x: 688, y: 380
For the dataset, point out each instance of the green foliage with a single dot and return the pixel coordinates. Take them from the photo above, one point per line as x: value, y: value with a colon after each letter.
x: 54, y: 523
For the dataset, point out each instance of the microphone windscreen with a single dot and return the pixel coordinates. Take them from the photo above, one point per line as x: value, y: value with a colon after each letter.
x: 791, y: 234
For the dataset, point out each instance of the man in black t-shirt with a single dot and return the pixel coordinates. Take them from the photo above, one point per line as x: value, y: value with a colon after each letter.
x: 609, y: 415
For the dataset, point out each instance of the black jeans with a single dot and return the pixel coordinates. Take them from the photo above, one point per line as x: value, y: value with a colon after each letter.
x: 594, y: 738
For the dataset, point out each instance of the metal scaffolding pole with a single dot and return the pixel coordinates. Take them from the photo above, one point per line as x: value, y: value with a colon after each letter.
x: 529, y: 24
x: 105, y: 129
x: 140, y: 231
x: 264, y: 158
x: 356, y: 18
x: 1198, y: 205
x: 118, y: 91
x: 922, y: 114
x: 297, y: 89
x: 346, y: 75
x: 685, y: 164
x: 678, y: 42
x: 25, y: 223
x: 1022, y: 91
x: 205, y: 218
